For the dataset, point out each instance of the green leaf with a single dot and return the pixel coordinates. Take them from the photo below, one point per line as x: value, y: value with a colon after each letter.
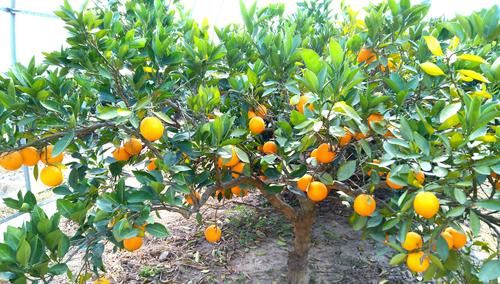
x: 311, y: 81
x: 58, y: 269
x: 312, y: 60
x: 336, y: 52
x: 346, y: 170
x: 397, y: 259
x: 436, y: 260
x: 475, y: 224
x: 490, y: 271
x: 6, y: 254
x: 491, y: 204
x: 449, y: 111
x: 23, y: 253
x: 63, y: 143
x: 442, y: 248
x: 455, y: 212
x: 157, y: 230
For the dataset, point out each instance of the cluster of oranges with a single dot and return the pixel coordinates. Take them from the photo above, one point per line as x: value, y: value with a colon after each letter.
x: 417, y: 260
x: 135, y: 243
x: 366, y: 55
x: 257, y: 125
x: 51, y: 175
x: 316, y: 191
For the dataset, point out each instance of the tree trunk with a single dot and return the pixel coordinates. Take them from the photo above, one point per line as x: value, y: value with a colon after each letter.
x: 298, y: 259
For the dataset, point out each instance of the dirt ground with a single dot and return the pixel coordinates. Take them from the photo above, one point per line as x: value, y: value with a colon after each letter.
x: 253, y: 250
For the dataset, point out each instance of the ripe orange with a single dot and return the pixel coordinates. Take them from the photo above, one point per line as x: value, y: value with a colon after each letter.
x: 366, y: 55
x: 391, y: 66
x: 251, y: 114
x: 359, y: 135
x: 493, y: 175
x: 364, y: 205
x: 30, y: 156
x: 11, y: 161
x: 390, y: 132
x: 317, y: 191
x: 391, y: 184
x: 120, y: 154
x: 344, y: 140
x: 237, y: 170
x: 189, y: 200
x: 374, y: 117
x: 302, y: 102
x: 417, y: 262
x: 151, y: 128
x: 257, y: 125
x: 304, y: 182
x: 51, y: 176
x: 426, y: 204
x: 236, y: 190
x: 213, y: 234
x: 420, y: 177
x: 261, y: 111
x: 375, y: 161
x: 448, y: 238
x: 132, y: 244
x: 412, y: 241
x: 101, y: 280
x: 133, y: 146
x: 151, y: 165
x: 459, y: 238
x: 324, y: 155
x: 270, y: 148
x: 234, y: 159
x: 314, y: 153
x: 47, y: 158
x: 497, y: 185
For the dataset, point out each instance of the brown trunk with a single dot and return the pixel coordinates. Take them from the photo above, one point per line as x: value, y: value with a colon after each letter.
x: 298, y: 259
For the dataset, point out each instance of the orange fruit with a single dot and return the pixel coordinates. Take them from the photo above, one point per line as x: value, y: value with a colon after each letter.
x: 233, y: 161
x: 493, y: 175
x: 189, y: 200
x: 237, y: 170
x: 417, y: 262
x: 448, y: 238
x: 412, y: 241
x: 375, y: 161
x: 426, y: 204
x: 317, y: 191
x: 497, y: 185
x: 30, y: 156
x: 359, y: 135
x: 391, y: 184
x: 391, y: 66
x: 132, y: 244
x: 133, y: 146
x: 251, y: 114
x: 101, y: 280
x: 304, y: 182
x: 374, y: 117
x: 344, y: 140
x: 257, y: 125
x: 364, y: 205
x: 459, y: 238
x: 236, y: 190
x: 261, y: 111
x: 302, y: 102
x: 51, y: 176
x: 390, y: 132
x: 47, y: 158
x: 270, y: 147
x: 213, y: 234
x: 120, y: 154
x: 366, y: 55
x: 324, y: 155
x: 11, y: 161
x: 151, y: 128
x: 314, y: 153
x: 151, y: 165
x: 420, y: 177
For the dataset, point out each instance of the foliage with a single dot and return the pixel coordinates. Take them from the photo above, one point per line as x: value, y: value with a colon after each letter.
x: 434, y: 82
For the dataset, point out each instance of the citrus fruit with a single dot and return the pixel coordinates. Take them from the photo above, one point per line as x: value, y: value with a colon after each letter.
x: 256, y: 125
x: 375, y: 161
x: 101, y: 280
x: 304, y: 182
x: 233, y: 161
x: 412, y: 241
x: 366, y: 55
x: 426, y: 204
x: 459, y: 238
x: 30, y: 156
x: 364, y: 205
x: 448, y: 238
x: 251, y: 114
x: 151, y: 165
x: 237, y: 170
x: 420, y: 177
x: 120, y: 154
x: 317, y: 191
x: 132, y: 244
x: 261, y: 110
x: 151, y: 128
x: 47, y: 158
x: 359, y: 136
x: 236, y: 190
x: 51, y: 176
x: 189, y: 200
x: 213, y: 234
x: 270, y: 148
x: 344, y: 140
x: 133, y: 146
x: 392, y: 184
x: 314, y: 153
x: 374, y: 117
x: 417, y: 262
x: 324, y: 155
x: 302, y: 102
x: 11, y: 161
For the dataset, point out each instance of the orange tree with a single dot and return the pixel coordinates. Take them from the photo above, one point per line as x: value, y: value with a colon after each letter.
x: 143, y: 111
